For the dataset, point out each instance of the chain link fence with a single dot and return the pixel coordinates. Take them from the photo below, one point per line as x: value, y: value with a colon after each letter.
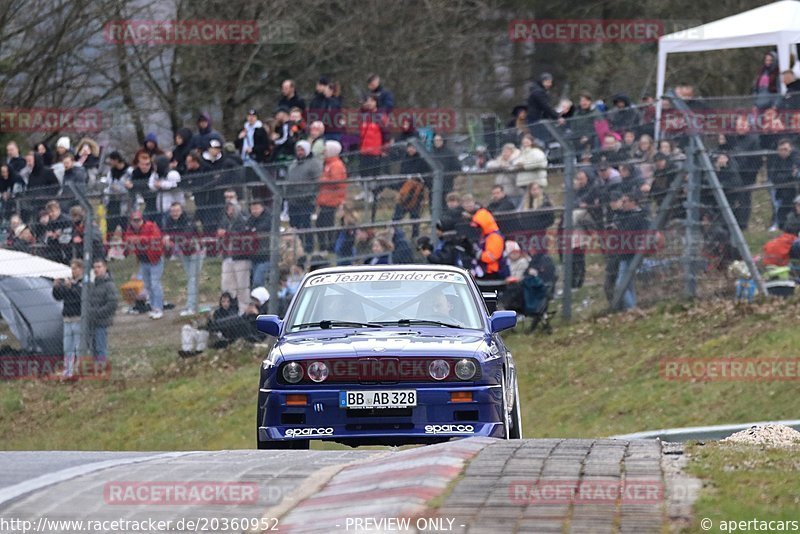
x: 626, y: 220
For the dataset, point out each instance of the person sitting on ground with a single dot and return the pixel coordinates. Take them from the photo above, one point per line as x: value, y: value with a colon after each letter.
x: 517, y: 261
x: 194, y: 340
x: 231, y: 328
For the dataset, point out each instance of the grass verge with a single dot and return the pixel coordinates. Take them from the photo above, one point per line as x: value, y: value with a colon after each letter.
x: 745, y: 483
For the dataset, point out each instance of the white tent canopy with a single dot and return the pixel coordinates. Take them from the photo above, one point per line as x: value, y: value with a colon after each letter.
x: 775, y: 24
x: 19, y: 264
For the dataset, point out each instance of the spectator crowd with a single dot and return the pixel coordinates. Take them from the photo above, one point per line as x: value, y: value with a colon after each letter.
x: 191, y: 201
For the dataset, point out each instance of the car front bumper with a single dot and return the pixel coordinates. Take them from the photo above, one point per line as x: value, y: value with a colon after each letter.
x: 434, y: 416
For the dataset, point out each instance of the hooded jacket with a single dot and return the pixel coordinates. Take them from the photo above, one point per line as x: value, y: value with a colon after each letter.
x: 200, y: 139
x: 41, y: 176
x: 492, y: 242
x: 776, y: 251
x: 180, y: 152
x: 92, y: 161
x: 151, y: 137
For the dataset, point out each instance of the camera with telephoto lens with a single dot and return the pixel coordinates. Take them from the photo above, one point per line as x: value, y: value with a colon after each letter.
x: 424, y: 243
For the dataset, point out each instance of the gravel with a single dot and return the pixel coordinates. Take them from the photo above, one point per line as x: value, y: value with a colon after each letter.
x: 768, y: 435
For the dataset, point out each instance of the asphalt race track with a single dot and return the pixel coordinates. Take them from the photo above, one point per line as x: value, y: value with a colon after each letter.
x: 474, y: 485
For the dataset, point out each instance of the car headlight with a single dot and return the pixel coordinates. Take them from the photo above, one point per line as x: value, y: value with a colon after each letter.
x: 465, y: 369
x: 293, y: 372
x: 439, y: 369
x: 317, y: 371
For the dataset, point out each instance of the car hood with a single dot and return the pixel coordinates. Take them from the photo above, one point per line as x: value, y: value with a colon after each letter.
x: 340, y: 343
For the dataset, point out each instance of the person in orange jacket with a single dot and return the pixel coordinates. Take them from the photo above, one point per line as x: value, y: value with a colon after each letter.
x: 332, y: 191
x: 489, y: 251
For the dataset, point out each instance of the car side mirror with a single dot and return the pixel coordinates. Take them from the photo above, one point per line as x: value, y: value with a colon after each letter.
x: 502, y: 320
x: 269, y: 324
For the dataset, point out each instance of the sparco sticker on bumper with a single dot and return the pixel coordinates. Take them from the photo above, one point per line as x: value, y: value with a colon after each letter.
x: 307, y: 432
x: 449, y: 429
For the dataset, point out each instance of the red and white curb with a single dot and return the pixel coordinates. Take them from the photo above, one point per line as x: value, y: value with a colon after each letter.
x: 395, y: 486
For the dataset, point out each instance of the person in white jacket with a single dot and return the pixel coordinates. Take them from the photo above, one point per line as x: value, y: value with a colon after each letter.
x: 165, y: 181
x: 506, y: 161
x: 533, y: 159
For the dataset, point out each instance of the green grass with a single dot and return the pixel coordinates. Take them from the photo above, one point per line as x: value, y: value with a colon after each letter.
x: 743, y: 483
x: 596, y: 378
x: 602, y: 376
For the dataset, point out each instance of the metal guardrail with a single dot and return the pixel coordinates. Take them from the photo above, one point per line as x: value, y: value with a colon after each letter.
x: 701, y: 433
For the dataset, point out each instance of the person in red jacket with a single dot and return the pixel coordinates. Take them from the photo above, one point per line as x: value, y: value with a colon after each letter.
x: 372, y: 144
x: 491, y: 265
x: 776, y: 251
x: 143, y: 238
x: 332, y: 192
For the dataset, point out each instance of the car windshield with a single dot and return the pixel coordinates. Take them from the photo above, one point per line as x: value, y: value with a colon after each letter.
x: 375, y: 299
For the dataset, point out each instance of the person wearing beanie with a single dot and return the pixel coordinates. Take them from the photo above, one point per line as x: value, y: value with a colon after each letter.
x: 63, y: 146
x: 332, y: 192
x: 302, y: 180
x: 517, y: 261
x: 23, y: 239
x: 150, y: 145
x: 204, y: 131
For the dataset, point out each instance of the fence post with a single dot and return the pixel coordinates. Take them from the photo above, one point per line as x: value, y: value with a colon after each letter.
x: 87, y: 264
x: 722, y: 201
x: 692, y: 221
x: 569, y: 202
x: 437, y: 195
x: 274, y: 237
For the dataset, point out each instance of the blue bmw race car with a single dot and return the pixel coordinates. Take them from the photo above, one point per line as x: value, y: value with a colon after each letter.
x: 390, y: 355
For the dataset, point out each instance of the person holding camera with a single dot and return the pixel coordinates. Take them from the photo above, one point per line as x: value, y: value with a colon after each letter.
x: 450, y: 249
x: 69, y: 290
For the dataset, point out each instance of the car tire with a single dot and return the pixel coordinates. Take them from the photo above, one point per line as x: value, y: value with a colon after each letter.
x: 515, y: 432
